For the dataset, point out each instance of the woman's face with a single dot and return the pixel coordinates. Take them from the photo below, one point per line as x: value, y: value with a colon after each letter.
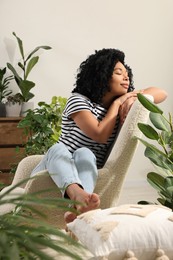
x: 119, y: 82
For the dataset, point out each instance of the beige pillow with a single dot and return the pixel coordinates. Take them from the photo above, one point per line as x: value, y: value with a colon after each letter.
x: 141, y: 231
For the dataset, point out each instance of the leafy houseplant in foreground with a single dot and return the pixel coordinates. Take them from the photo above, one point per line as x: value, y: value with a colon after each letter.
x: 43, y: 125
x: 27, y: 64
x: 24, y: 237
x: 161, y: 153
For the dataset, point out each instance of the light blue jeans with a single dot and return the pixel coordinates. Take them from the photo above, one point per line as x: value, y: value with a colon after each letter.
x: 66, y: 168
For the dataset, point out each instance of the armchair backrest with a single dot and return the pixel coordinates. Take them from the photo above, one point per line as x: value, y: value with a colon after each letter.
x: 112, y: 175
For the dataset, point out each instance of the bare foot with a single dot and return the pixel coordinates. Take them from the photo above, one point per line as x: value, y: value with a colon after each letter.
x: 88, y: 201
x: 69, y: 216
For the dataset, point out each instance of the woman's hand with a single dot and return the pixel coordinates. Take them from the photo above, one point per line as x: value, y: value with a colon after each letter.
x: 125, y: 107
x: 127, y: 101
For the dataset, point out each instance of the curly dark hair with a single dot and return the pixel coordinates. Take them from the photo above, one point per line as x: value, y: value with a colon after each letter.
x: 95, y: 72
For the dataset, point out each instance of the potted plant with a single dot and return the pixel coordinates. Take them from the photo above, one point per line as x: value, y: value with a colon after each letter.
x: 4, y: 90
x: 26, y: 65
x: 42, y: 125
x: 160, y: 131
x: 13, y: 105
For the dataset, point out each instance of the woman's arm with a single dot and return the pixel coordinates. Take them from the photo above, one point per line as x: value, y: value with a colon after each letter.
x: 158, y: 94
x: 100, y: 131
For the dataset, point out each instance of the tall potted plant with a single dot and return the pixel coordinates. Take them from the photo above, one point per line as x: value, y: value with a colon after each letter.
x: 26, y: 65
x: 159, y: 151
x: 4, y: 90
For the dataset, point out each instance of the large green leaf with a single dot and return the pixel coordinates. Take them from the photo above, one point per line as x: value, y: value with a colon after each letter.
x: 25, y: 87
x: 20, y: 44
x: 153, y: 147
x: 16, y: 75
x: 148, y: 131
x: 159, y: 121
x: 166, y: 137
x: 158, y: 158
x: 148, y: 104
x: 36, y: 49
x: 156, y: 181
x: 30, y: 65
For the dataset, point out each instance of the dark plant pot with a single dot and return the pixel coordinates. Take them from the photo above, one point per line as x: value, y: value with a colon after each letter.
x: 2, y: 110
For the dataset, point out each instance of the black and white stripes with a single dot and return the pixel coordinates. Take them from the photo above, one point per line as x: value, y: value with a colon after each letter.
x: 71, y: 134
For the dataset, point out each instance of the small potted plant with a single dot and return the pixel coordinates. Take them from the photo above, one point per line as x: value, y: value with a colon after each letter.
x: 26, y: 65
x: 13, y: 104
x: 4, y: 91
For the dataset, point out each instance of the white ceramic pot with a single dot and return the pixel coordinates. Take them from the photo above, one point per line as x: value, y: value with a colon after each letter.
x: 25, y: 107
x: 13, y: 110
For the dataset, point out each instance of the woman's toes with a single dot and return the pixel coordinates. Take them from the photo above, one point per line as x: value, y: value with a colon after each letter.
x: 69, y: 216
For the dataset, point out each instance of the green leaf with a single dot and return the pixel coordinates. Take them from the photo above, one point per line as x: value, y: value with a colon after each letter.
x: 36, y: 49
x: 162, y: 201
x: 25, y: 87
x: 158, y: 158
x: 156, y: 181
x: 166, y: 137
x: 30, y: 65
x: 151, y: 146
x: 169, y: 181
x: 148, y: 131
x: 159, y: 121
x: 21, y: 66
x: 171, y: 156
x: 16, y: 75
x: 148, y: 104
x: 20, y: 44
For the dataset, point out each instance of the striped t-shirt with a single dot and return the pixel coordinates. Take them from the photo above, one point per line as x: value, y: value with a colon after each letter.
x: 74, y: 138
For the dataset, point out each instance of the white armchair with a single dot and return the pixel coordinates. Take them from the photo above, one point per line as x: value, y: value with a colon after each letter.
x: 111, y: 176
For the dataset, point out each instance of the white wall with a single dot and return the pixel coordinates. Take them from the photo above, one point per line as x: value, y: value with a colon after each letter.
x: 75, y: 28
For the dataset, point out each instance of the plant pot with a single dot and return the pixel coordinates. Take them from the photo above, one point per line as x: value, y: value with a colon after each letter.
x: 13, y: 110
x: 25, y: 107
x: 2, y: 110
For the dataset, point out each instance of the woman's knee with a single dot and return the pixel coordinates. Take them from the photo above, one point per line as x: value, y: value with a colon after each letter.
x: 85, y: 154
x: 57, y: 150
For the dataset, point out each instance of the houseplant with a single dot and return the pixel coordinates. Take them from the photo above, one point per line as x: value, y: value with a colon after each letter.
x: 23, y: 236
x: 4, y: 90
x: 13, y: 104
x: 26, y: 66
x: 160, y: 131
x: 42, y: 125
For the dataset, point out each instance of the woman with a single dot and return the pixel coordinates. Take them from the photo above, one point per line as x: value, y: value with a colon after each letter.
x: 99, y: 103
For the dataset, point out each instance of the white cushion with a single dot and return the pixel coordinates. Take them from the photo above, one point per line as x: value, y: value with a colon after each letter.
x: 141, y: 231
x: 9, y: 207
